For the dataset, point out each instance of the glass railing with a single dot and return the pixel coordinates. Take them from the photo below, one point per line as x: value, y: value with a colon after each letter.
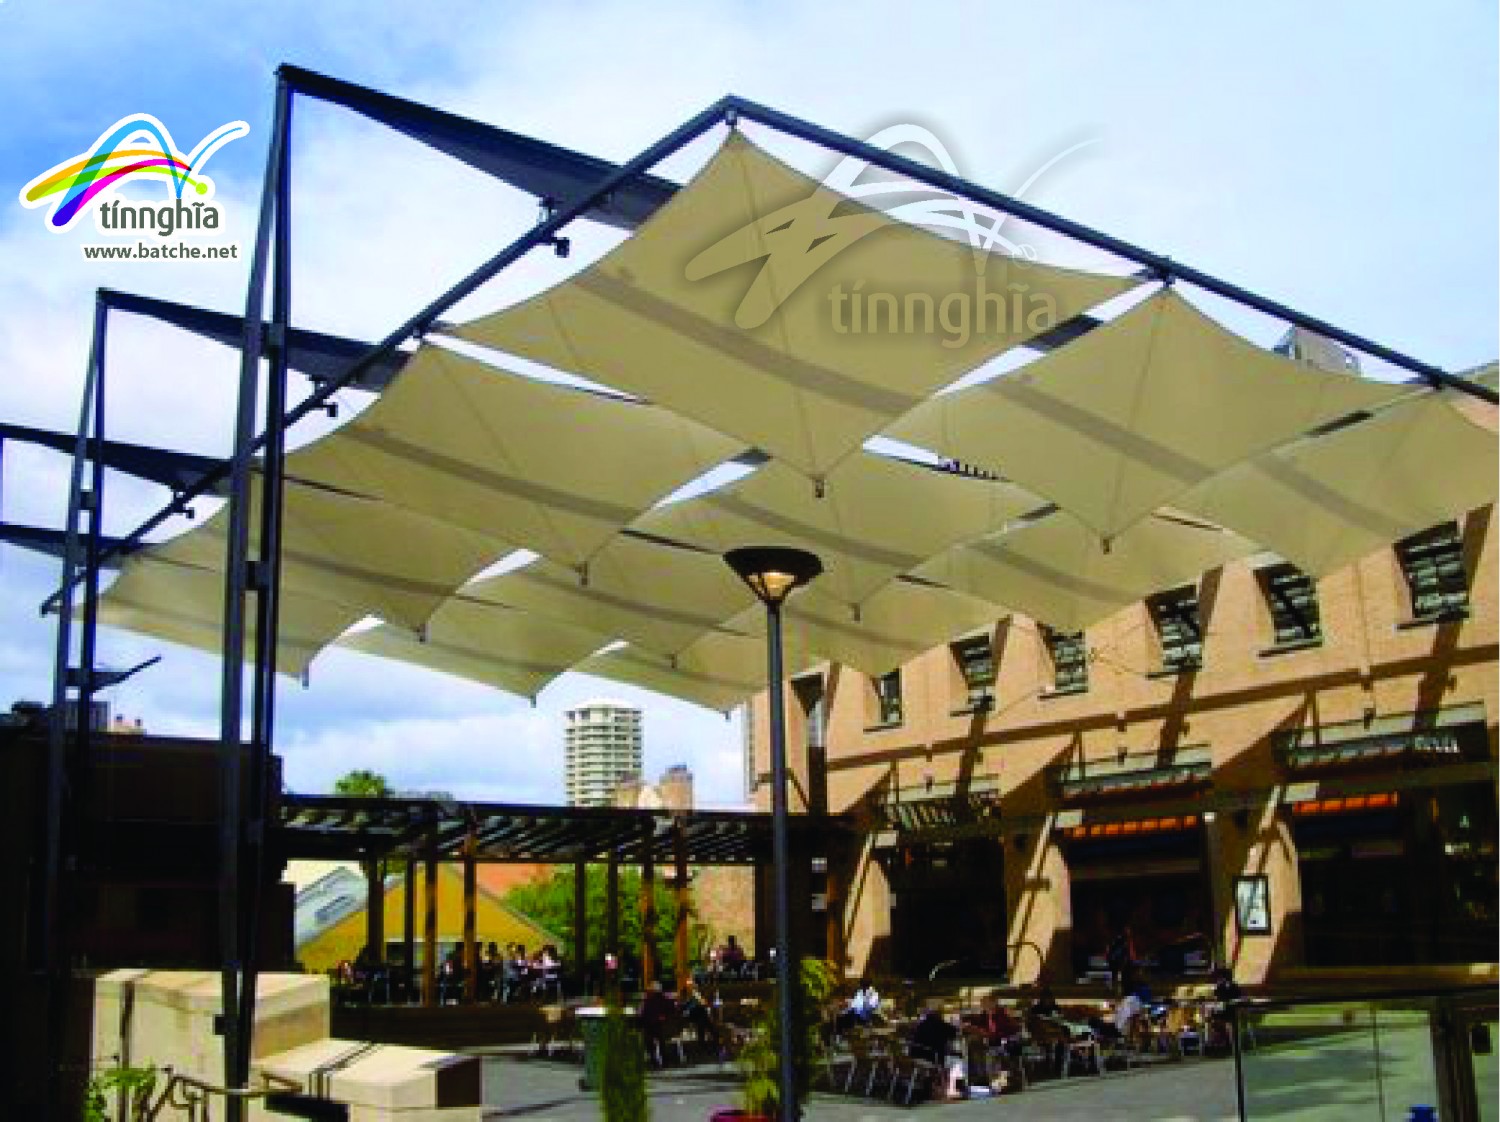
x: 1371, y: 1058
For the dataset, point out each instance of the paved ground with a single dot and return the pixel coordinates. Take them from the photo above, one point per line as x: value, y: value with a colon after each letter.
x: 1191, y: 1091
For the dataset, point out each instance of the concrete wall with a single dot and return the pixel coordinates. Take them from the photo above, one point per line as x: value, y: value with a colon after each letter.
x: 166, y: 1018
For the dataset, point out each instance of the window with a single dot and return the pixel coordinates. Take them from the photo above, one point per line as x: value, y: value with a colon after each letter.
x: 887, y: 698
x: 1175, y: 614
x: 1070, y: 660
x: 975, y: 657
x: 1293, y: 599
x: 1433, y: 565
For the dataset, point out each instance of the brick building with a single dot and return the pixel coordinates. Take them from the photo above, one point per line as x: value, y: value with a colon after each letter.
x: 1291, y: 776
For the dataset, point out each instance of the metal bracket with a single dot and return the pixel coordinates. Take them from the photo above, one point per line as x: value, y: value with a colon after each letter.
x: 257, y: 576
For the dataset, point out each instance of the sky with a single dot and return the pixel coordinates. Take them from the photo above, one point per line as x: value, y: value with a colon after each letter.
x: 1341, y: 158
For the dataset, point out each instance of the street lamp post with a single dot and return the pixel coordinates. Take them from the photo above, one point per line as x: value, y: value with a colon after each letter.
x: 773, y: 573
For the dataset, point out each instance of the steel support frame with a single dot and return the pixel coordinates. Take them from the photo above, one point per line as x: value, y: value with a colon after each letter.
x: 242, y: 838
x: 73, y: 684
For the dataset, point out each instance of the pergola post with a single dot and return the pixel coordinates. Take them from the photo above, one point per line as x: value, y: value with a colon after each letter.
x: 429, y: 927
x: 409, y: 924
x: 375, y: 908
x: 648, y: 908
x: 612, y: 904
x: 684, y: 903
x: 471, y: 937
x: 580, y: 922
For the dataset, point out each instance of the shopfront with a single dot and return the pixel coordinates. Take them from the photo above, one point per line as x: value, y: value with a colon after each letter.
x: 1136, y: 859
x: 945, y: 864
x: 1401, y: 874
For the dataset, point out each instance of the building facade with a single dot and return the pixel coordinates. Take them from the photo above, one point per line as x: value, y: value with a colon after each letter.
x: 1283, y: 775
x: 603, y: 746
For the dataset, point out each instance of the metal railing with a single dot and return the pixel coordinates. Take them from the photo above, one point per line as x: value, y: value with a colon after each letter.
x: 183, y: 1096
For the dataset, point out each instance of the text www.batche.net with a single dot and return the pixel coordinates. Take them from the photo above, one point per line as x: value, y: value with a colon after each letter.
x: 148, y: 251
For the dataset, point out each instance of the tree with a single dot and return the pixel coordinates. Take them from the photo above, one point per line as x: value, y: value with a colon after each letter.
x: 363, y: 783
x: 550, y: 904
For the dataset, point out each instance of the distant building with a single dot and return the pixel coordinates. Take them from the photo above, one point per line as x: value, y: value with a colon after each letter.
x: 603, y: 747
x: 674, y: 791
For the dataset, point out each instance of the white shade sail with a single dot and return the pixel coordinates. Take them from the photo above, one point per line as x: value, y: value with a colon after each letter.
x: 1123, y: 420
x: 549, y: 468
x: 659, y: 597
x: 185, y: 604
x: 512, y: 650
x: 361, y: 553
x: 747, y: 304
x: 718, y: 671
x: 1057, y: 571
x: 878, y: 517
x: 1327, y: 502
x: 893, y: 626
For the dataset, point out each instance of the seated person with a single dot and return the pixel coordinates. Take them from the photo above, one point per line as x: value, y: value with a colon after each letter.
x: 996, y: 1025
x: 862, y: 1009
x: 1226, y: 991
x: 932, y: 1040
x: 690, y: 1004
x: 1128, y: 1013
x: 732, y: 955
x: 657, y: 1011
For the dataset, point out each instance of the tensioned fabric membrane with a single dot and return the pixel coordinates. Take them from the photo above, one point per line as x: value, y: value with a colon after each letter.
x: 759, y: 312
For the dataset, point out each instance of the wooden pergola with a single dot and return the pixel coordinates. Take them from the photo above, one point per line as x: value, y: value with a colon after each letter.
x: 429, y: 832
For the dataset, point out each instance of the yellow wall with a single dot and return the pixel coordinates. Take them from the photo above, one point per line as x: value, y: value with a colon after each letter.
x: 494, y: 922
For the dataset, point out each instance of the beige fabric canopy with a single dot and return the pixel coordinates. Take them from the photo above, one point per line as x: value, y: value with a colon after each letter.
x: 1056, y: 570
x: 549, y: 468
x: 659, y: 597
x: 718, y: 671
x: 878, y: 517
x: 361, y: 553
x: 498, y: 646
x: 1326, y: 502
x: 1134, y: 413
x: 185, y: 604
x: 896, y: 624
x: 746, y: 304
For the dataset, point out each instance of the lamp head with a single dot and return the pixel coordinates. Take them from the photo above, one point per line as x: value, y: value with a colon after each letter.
x: 773, y: 571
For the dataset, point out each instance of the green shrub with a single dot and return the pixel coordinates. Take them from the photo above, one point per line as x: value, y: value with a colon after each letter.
x: 760, y: 1059
x: 136, y: 1082
x: 623, y: 1069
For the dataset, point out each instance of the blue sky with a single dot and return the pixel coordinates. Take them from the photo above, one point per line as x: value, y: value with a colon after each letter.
x: 1339, y: 157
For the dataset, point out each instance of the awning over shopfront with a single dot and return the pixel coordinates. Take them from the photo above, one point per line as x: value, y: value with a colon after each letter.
x: 1419, y: 739
x: 1137, y: 773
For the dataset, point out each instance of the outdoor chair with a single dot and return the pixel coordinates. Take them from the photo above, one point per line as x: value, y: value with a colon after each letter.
x: 865, y: 1054
x: 914, y: 1070
x: 1181, y: 1031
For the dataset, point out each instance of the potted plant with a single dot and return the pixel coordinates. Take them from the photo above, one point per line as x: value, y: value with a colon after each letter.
x: 622, y: 1068
x: 760, y: 1059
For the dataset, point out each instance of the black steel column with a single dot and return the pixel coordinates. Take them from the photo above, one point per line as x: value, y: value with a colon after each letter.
x: 50, y: 937
x: 238, y: 971
x: 786, y: 970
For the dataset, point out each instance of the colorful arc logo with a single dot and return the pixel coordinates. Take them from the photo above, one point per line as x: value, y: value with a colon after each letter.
x: 134, y: 147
